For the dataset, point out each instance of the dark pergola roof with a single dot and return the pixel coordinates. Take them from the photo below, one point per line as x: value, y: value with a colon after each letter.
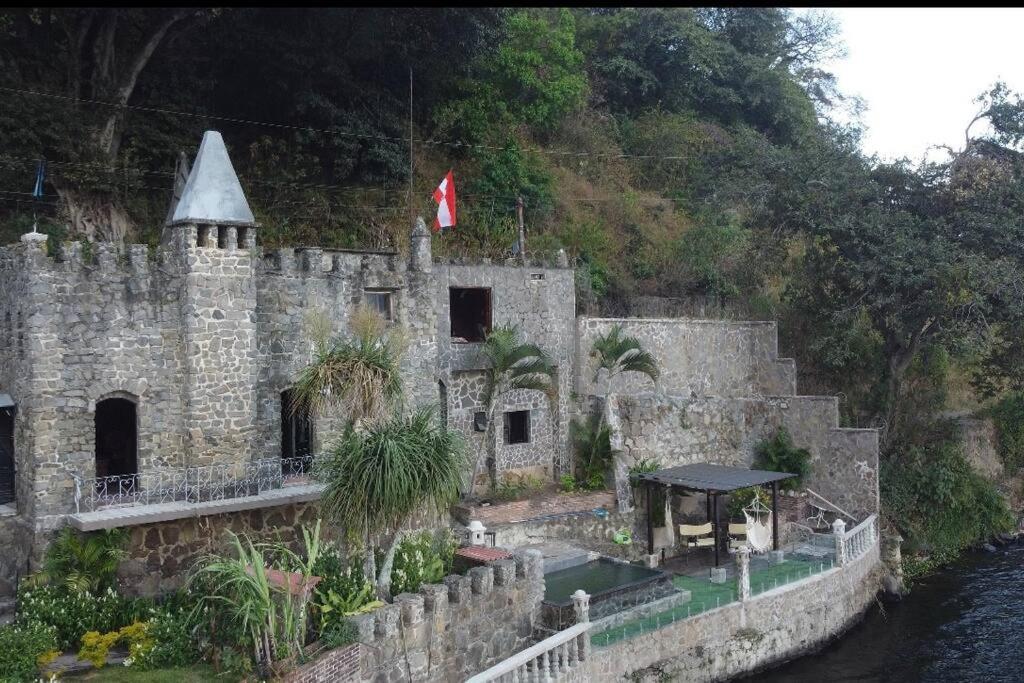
x: 707, y: 477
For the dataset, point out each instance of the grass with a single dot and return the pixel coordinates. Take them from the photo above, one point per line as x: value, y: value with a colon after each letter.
x: 197, y: 673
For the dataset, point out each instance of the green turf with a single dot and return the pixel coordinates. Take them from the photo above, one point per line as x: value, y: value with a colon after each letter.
x: 705, y: 596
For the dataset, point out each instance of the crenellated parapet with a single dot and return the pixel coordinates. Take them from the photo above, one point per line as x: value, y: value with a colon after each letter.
x: 460, y: 626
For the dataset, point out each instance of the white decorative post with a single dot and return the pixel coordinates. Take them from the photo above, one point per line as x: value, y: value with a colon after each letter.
x: 581, y: 605
x: 743, y: 572
x: 476, y: 532
x: 839, y: 531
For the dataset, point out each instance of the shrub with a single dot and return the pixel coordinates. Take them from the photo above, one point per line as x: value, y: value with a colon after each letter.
x: 1008, y: 418
x: 568, y: 484
x: 939, y: 503
x: 422, y: 558
x: 73, y: 612
x: 84, y: 562
x: 514, y: 486
x: 169, y: 643
x: 741, y: 498
x: 592, y: 443
x: 339, y: 633
x: 25, y: 649
x: 778, y: 454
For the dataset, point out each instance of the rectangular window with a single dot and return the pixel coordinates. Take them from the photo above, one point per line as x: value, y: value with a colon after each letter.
x: 6, y: 450
x: 380, y: 302
x: 470, y: 313
x: 517, y: 427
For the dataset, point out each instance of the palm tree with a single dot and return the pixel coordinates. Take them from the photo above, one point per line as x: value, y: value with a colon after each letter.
x: 512, y: 364
x: 377, y: 477
x: 83, y: 562
x: 360, y: 374
x: 617, y: 354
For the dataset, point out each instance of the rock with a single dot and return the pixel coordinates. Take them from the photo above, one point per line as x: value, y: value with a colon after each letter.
x: 892, y: 588
x: 989, y: 548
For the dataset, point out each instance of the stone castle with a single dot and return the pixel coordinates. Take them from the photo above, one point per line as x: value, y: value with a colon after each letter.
x: 141, y: 387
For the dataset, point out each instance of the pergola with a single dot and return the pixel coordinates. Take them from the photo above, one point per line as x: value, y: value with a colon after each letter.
x: 713, y: 481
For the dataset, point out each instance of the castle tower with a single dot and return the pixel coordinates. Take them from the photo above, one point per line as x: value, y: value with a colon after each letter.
x: 212, y: 232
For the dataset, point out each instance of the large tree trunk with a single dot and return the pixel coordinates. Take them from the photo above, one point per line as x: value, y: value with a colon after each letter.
x: 899, y: 362
x: 95, y: 217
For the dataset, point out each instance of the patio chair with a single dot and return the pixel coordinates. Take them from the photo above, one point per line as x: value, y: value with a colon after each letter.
x: 737, y: 535
x: 697, y: 536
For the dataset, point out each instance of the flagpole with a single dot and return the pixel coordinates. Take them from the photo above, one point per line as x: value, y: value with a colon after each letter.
x: 412, y: 211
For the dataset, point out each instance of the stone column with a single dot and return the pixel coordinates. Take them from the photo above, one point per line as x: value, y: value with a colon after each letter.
x: 839, y: 532
x: 743, y: 573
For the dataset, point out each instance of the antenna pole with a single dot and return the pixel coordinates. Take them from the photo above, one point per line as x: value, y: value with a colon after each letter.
x: 412, y: 216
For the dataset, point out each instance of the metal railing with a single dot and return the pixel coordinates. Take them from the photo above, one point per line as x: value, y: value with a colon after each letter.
x: 552, y: 659
x: 190, y: 484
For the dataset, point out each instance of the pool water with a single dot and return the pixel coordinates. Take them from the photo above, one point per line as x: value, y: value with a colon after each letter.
x: 595, y: 577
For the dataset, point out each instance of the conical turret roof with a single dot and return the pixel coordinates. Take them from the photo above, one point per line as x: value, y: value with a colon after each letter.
x: 212, y: 193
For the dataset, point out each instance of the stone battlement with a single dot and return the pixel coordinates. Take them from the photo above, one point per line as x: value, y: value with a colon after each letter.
x: 460, y: 626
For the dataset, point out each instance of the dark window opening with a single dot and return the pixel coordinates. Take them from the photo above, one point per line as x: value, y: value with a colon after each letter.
x: 296, y: 430
x: 517, y: 427
x: 480, y: 421
x: 470, y: 313
x: 442, y: 399
x: 6, y: 455
x: 379, y: 302
x: 116, y: 438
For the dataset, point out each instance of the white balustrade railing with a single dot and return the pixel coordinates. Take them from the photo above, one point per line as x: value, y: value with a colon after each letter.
x: 189, y: 484
x: 853, y: 543
x: 552, y: 659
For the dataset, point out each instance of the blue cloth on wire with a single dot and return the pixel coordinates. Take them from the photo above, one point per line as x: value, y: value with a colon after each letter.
x: 40, y: 175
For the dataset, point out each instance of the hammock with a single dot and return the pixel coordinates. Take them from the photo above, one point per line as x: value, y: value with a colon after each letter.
x: 759, y: 526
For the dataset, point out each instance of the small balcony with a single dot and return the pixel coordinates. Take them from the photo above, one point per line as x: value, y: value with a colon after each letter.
x: 166, y: 494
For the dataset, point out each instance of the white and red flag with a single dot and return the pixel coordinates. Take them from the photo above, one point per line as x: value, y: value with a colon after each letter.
x: 444, y: 195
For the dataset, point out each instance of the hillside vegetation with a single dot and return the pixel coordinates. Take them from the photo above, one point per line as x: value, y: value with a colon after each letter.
x: 685, y: 153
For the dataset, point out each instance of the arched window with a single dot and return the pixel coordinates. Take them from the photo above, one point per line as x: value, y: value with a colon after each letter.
x: 117, y: 438
x: 296, y: 428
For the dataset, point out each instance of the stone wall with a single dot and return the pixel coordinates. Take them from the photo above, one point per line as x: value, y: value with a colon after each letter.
x: 450, y: 631
x: 159, y: 555
x: 696, y: 357
x: 679, y: 431
x: 744, y: 637
x: 541, y: 303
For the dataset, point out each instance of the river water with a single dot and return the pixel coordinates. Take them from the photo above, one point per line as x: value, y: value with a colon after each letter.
x: 965, y: 623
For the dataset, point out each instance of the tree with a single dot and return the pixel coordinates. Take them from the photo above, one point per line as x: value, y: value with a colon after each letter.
x: 361, y: 375
x: 615, y: 354
x: 511, y: 365
x: 89, y: 60
x: 376, y: 478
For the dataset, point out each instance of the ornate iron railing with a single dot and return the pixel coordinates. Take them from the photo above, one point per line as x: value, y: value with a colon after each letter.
x: 190, y: 484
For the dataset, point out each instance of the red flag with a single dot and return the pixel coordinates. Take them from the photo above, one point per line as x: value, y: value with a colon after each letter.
x: 444, y: 195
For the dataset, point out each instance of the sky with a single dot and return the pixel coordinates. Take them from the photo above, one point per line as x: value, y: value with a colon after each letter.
x: 919, y: 70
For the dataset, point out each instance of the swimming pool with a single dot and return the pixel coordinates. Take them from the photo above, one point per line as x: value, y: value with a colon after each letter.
x: 613, y: 586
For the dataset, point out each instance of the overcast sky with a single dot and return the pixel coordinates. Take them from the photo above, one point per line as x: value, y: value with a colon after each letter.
x: 918, y: 71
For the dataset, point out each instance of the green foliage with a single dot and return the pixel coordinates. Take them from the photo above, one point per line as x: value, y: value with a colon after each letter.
x: 360, y: 374
x: 741, y: 498
x: 339, y: 633
x: 616, y: 353
x: 513, y: 486
x: 24, y: 650
x: 171, y: 641
x: 939, y: 504
x: 422, y: 558
x: 84, y: 562
x: 73, y: 612
x: 778, y: 454
x: 1008, y: 417
x: 592, y: 445
x: 375, y: 478
x: 96, y: 646
x: 534, y: 77
x: 567, y: 484
x: 343, y: 591
x: 644, y: 466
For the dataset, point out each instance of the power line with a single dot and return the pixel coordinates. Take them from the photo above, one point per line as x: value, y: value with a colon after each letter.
x: 458, y: 144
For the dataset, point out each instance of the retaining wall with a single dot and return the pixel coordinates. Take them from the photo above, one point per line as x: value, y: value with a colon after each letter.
x: 744, y: 637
